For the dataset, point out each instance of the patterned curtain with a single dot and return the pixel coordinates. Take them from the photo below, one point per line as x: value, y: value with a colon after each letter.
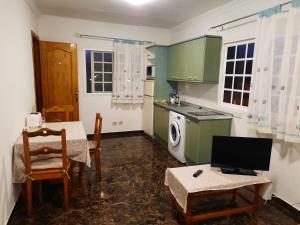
x: 274, y: 105
x: 129, y: 72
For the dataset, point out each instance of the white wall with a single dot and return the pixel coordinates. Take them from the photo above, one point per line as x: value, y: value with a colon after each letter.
x: 16, y: 90
x: 285, y: 162
x: 64, y: 29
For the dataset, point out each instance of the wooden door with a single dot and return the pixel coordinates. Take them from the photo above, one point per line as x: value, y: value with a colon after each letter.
x: 59, y: 76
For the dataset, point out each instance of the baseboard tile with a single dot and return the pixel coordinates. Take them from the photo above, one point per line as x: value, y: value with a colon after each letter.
x: 118, y: 134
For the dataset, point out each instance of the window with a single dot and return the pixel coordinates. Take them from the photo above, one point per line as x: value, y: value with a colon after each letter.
x: 237, y: 73
x: 99, y: 71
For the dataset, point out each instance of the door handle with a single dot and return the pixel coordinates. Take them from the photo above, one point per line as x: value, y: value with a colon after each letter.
x: 76, y: 95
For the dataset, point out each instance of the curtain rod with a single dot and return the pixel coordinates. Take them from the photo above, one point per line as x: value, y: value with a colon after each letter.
x: 242, y: 18
x: 108, y: 38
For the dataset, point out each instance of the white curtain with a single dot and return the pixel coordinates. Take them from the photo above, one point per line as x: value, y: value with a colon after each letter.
x: 274, y: 105
x: 129, y: 72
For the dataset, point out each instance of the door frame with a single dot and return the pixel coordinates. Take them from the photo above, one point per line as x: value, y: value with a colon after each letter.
x: 35, y: 40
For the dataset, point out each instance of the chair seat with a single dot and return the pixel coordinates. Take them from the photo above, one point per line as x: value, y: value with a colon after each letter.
x: 92, y: 145
x: 52, y: 163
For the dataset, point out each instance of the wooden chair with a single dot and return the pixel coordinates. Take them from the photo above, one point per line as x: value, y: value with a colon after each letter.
x: 95, y: 147
x: 48, y: 113
x: 46, y: 169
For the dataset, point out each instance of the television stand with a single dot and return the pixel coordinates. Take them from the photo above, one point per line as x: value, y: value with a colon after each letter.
x: 238, y: 171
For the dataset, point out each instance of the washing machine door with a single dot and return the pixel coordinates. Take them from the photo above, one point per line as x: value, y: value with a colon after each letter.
x: 174, y: 134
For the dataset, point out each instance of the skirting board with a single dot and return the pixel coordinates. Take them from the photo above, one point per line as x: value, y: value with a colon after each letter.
x: 118, y: 134
x: 291, y: 208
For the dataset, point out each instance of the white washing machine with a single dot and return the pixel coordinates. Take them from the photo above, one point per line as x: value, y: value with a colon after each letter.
x: 176, y: 137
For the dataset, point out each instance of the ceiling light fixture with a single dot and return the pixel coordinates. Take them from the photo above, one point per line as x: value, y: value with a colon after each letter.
x: 138, y: 2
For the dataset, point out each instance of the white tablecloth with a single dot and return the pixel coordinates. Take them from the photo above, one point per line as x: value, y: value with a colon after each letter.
x: 181, y: 181
x: 77, y: 146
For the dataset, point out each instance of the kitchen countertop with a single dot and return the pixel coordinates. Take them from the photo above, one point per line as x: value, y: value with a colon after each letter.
x: 185, y: 108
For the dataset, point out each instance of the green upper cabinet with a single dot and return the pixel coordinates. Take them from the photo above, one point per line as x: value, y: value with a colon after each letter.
x: 176, y: 69
x: 197, y: 60
x: 212, y: 59
x: 193, y: 67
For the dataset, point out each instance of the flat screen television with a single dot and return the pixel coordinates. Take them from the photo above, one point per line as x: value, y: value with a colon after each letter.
x: 241, y: 155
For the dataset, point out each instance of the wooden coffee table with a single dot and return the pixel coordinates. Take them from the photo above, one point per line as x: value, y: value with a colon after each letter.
x: 186, y: 189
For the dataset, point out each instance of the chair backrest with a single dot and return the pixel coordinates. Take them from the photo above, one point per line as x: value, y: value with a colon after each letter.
x: 28, y: 153
x: 97, y: 131
x: 52, y: 114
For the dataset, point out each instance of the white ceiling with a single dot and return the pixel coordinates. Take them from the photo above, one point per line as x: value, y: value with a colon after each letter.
x: 156, y: 13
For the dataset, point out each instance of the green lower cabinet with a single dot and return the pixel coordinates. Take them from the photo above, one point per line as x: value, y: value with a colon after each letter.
x: 164, y: 125
x: 198, y: 138
x: 161, y: 124
x: 156, y: 120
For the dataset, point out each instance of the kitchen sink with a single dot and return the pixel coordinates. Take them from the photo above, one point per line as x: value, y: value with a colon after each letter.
x: 206, y: 113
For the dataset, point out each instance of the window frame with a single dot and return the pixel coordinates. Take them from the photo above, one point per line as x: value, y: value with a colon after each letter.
x: 234, y: 107
x: 92, y: 72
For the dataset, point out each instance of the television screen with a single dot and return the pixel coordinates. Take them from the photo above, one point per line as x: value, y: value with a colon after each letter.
x: 241, y: 153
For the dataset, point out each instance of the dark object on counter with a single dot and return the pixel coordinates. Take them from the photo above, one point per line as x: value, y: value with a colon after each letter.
x: 197, y: 173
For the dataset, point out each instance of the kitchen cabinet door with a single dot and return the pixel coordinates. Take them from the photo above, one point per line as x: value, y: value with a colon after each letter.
x: 164, y: 116
x: 199, y: 134
x: 194, y: 63
x: 176, y: 62
x: 191, y: 140
x: 197, y: 60
x: 212, y: 59
x: 156, y: 121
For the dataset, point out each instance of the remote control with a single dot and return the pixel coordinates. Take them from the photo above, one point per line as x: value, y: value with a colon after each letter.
x: 197, y: 173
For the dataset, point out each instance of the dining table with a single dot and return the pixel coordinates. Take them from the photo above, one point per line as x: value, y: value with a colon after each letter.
x: 77, y: 146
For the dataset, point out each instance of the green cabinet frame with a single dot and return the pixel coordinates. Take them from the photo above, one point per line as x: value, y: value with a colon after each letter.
x: 198, y: 138
x: 161, y: 124
x: 162, y: 87
x: 197, y: 60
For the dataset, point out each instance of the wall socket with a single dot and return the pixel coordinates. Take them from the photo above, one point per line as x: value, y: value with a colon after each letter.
x: 115, y: 123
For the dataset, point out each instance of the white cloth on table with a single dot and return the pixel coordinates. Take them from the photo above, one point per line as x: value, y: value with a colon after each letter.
x: 181, y: 182
x: 77, y: 147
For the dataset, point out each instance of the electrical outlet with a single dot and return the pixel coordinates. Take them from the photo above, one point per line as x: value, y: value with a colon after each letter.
x: 120, y: 122
x: 114, y: 123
